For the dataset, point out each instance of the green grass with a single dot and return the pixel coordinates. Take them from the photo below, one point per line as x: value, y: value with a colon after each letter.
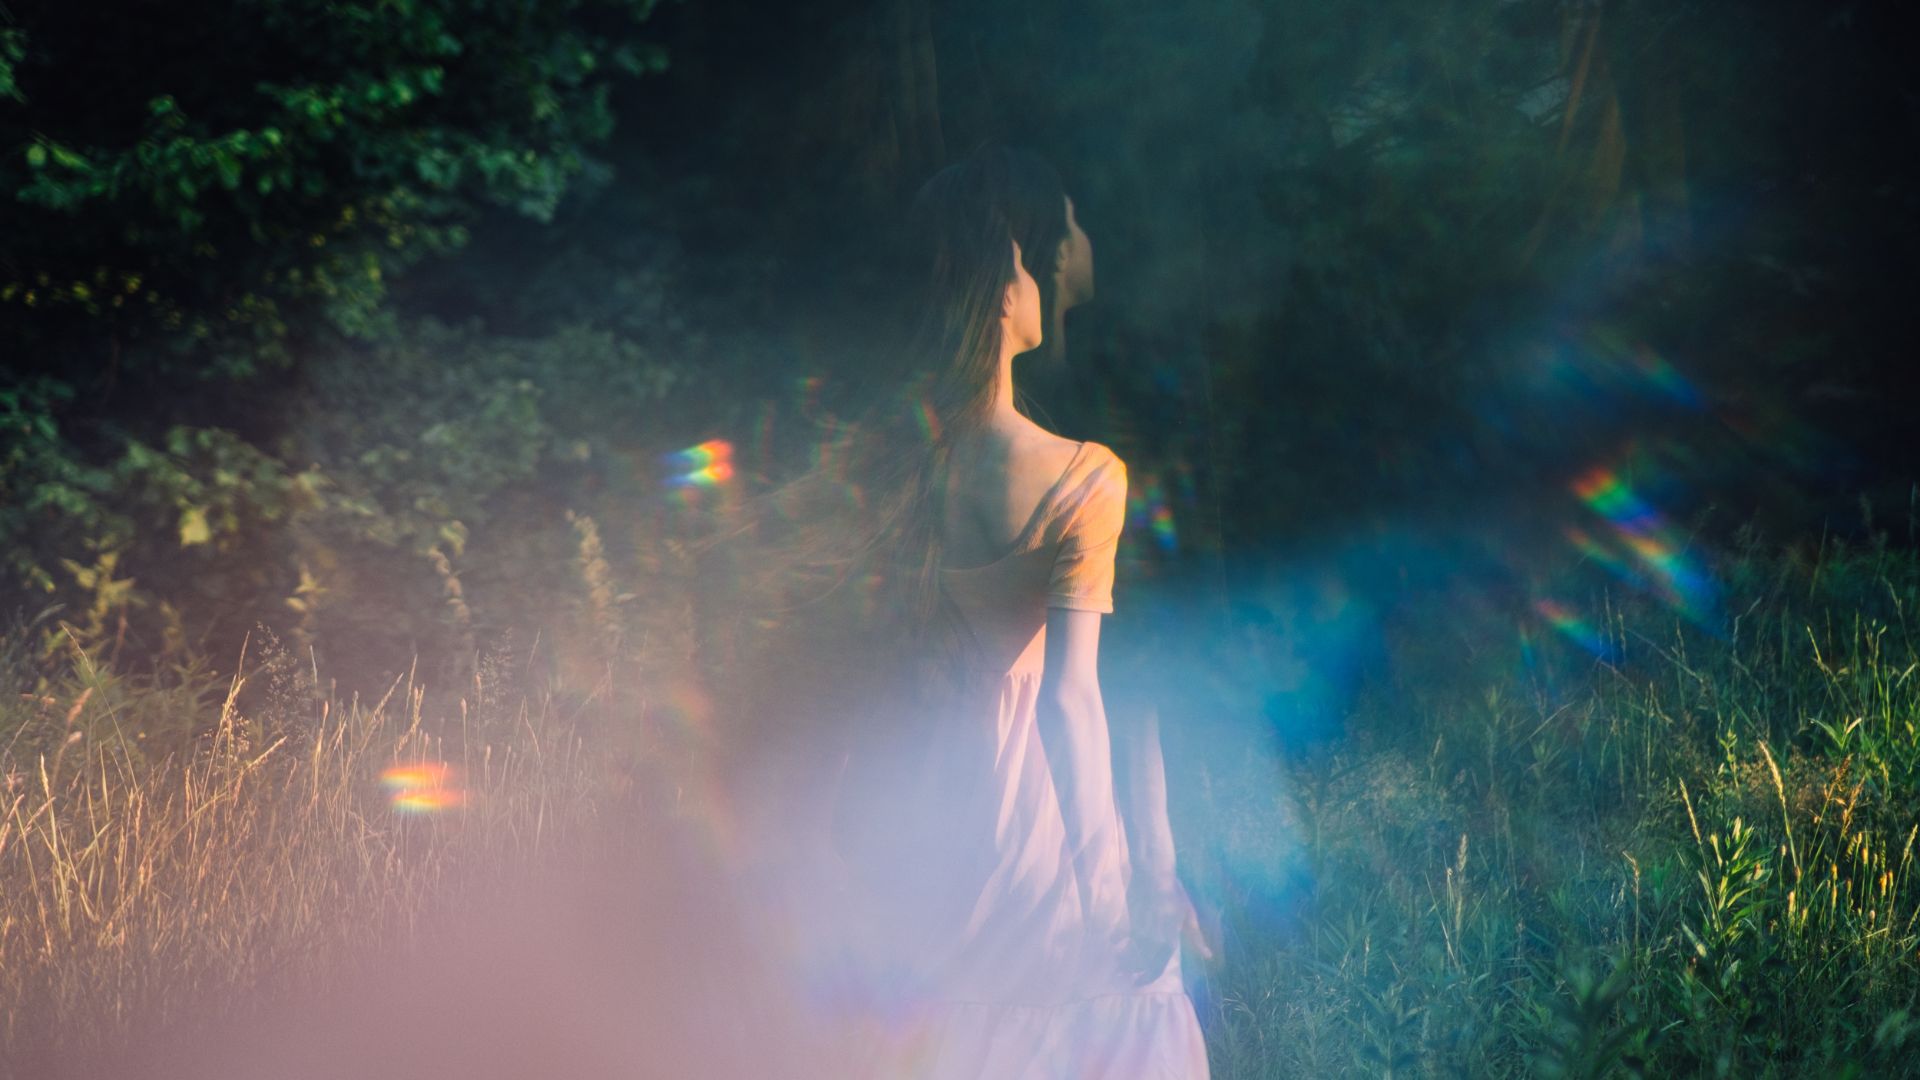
x: 1695, y: 860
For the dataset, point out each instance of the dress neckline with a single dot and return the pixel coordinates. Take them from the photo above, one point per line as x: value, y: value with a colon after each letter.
x: 1033, y: 520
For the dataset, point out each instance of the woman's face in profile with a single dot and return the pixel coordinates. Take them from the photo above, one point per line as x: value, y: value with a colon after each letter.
x: 1020, y: 322
x: 1073, y: 267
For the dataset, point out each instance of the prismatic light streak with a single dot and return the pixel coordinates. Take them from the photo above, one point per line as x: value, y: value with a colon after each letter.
x: 1585, y: 544
x: 1648, y: 536
x: 1147, y: 505
x: 1661, y: 373
x: 423, y: 787
x: 708, y: 464
x: 1572, y: 627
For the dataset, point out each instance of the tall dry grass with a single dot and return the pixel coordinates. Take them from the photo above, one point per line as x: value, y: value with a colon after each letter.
x: 261, y: 853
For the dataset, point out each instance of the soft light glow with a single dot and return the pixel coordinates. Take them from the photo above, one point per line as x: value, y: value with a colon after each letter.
x: 423, y: 787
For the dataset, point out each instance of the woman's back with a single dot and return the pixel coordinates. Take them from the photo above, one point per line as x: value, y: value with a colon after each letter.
x: 996, y: 481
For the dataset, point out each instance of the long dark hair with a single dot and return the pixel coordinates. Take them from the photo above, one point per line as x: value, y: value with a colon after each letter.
x: 830, y: 583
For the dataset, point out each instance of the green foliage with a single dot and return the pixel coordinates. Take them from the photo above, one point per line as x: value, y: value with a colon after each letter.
x: 1583, y: 1032
x: 40, y: 479
x: 1872, y: 717
x: 13, y: 46
x: 1388, y: 1030
x: 343, y: 142
x: 1662, y: 866
x: 208, y: 400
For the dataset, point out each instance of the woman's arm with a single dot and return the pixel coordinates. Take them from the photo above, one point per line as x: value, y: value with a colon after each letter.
x: 1072, y: 722
x: 1141, y: 794
x: 1162, y: 914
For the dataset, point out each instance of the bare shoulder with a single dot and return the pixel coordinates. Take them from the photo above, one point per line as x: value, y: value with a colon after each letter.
x: 1047, y: 457
x: 1021, y: 451
x: 1046, y: 452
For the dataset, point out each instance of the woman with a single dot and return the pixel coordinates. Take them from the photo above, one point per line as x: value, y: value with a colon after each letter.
x: 1057, y: 253
x: 929, y: 791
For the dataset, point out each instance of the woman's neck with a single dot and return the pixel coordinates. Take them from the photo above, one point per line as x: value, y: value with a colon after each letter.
x: 1003, y: 410
x: 1004, y: 415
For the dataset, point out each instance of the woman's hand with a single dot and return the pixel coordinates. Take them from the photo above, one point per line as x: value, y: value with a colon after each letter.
x: 1161, y: 918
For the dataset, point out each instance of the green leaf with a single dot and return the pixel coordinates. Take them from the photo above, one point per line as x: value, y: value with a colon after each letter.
x: 37, y: 156
x: 70, y: 159
x: 193, y: 527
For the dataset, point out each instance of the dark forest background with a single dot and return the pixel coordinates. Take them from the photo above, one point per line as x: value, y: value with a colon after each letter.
x: 1515, y: 395
x: 314, y: 311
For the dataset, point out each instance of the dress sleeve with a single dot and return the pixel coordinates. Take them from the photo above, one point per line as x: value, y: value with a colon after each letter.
x: 1082, y: 578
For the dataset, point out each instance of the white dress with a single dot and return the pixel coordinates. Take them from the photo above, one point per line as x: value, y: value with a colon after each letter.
x: 953, y: 934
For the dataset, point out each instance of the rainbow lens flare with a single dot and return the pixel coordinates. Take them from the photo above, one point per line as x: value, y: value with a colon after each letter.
x: 1572, y: 627
x: 928, y: 419
x: 1663, y: 375
x: 1600, y: 554
x: 1648, y: 536
x: 809, y: 386
x: 1147, y: 505
x: 705, y: 465
x: 423, y: 787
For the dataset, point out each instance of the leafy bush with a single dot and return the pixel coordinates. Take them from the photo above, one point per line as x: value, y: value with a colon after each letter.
x: 208, y: 398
